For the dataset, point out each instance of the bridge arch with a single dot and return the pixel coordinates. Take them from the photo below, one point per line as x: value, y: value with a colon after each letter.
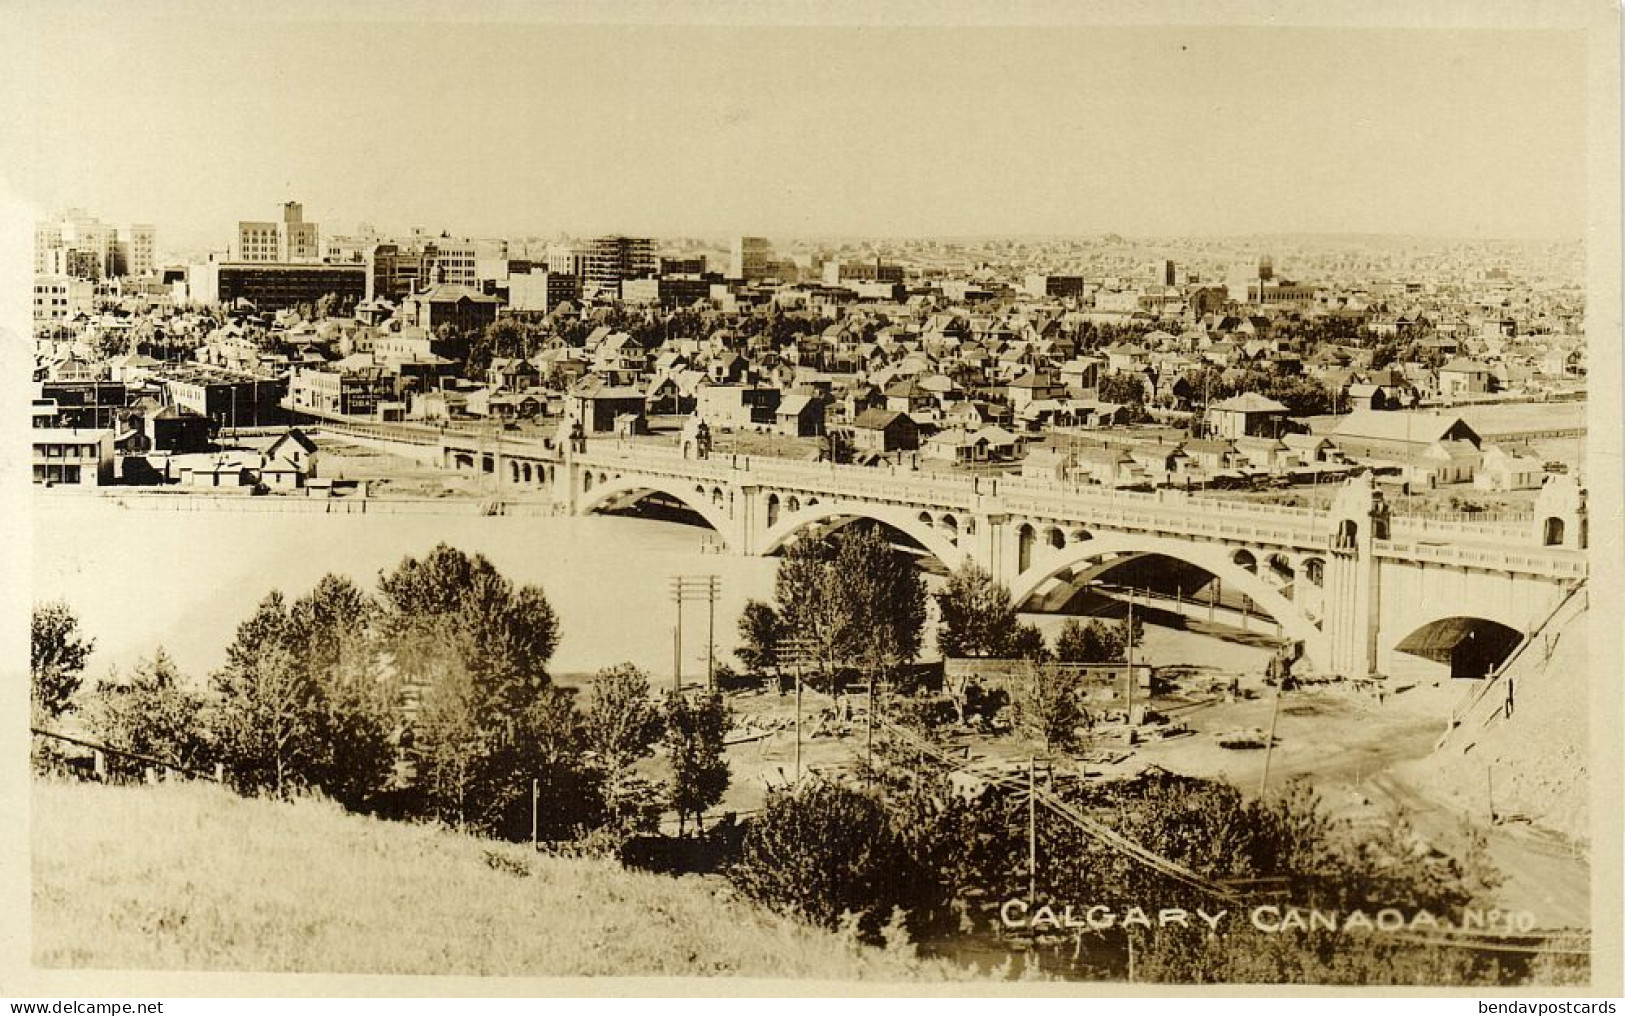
x: 1470, y: 645
x: 1218, y: 560
x: 604, y: 492
x: 903, y: 520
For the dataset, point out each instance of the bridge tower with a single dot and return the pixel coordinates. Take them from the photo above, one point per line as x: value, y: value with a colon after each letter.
x: 1353, y: 596
x: 1560, y: 513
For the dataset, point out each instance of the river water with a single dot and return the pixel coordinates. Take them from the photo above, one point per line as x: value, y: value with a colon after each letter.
x: 141, y: 578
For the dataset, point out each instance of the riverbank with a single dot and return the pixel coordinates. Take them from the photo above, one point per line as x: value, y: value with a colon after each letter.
x: 304, y: 887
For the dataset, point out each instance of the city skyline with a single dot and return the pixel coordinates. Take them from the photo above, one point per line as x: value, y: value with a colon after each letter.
x: 708, y: 131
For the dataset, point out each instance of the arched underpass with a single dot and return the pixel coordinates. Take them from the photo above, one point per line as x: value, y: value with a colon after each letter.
x: 924, y: 558
x: 1472, y: 647
x: 1195, y: 593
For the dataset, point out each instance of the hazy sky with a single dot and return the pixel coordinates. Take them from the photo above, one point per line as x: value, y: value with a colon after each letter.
x: 512, y: 129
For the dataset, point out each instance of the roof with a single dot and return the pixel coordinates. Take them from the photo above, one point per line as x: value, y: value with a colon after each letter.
x: 878, y: 419
x: 1424, y: 428
x: 1249, y: 402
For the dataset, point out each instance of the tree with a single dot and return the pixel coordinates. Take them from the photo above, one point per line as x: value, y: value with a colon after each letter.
x: 1027, y: 643
x: 977, y: 614
x: 328, y: 634
x: 1047, y: 705
x: 622, y: 726
x: 57, y: 655
x: 885, y: 595
x: 152, y: 713
x: 1094, y: 642
x: 1124, y: 389
x: 760, y: 631
x: 474, y: 649
x: 268, y: 717
x: 695, y: 730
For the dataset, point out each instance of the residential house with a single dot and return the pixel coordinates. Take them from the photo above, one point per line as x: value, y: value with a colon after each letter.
x: 882, y: 430
x: 1246, y: 415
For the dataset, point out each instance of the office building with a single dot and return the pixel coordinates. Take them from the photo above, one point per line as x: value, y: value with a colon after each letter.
x: 750, y: 259
x: 613, y: 259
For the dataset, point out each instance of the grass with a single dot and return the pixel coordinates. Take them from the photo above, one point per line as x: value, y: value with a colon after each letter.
x: 190, y: 876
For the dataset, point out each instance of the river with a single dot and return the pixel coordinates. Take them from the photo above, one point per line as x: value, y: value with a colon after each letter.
x: 141, y: 578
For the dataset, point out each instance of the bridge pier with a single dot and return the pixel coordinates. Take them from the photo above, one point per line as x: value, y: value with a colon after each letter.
x: 1352, y: 593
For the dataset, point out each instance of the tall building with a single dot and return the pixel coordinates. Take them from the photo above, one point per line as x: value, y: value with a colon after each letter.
x: 291, y: 240
x: 614, y: 259
x: 258, y: 242
x: 451, y: 261
x: 563, y: 260
x: 301, y: 240
x: 143, y: 249
x: 750, y: 258
x: 82, y: 246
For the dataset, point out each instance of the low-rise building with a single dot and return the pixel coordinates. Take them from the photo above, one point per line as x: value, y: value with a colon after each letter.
x: 881, y: 431
x: 72, y: 456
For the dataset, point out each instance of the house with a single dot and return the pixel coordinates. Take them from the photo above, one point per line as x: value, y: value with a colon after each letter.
x: 1213, y: 456
x: 1109, y: 466
x: 737, y: 406
x: 1032, y: 385
x: 1505, y: 468
x: 909, y: 396
x: 597, y: 405
x: 173, y: 429
x: 958, y: 446
x: 1246, y: 415
x: 800, y: 416
x: 1369, y: 396
x: 296, y: 453
x: 513, y: 374
x: 465, y: 310
x: 883, y: 430
x: 1463, y: 376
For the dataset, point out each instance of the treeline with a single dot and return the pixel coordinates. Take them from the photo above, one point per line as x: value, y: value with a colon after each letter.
x: 429, y: 698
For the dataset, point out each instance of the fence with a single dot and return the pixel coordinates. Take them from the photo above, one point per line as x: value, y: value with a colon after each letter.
x: 242, y: 503
x: 95, y: 767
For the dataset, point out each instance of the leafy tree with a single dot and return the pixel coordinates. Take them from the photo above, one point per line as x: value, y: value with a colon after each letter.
x: 1096, y: 642
x: 1048, y: 705
x: 269, y: 717
x: 328, y: 634
x: 854, y: 599
x: 977, y: 614
x: 695, y: 730
x: 57, y: 654
x: 1124, y: 389
x: 473, y: 648
x: 151, y: 713
x: 760, y: 631
x: 1027, y: 643
x: 622, y: 726
x: 822, y: 850
x: 886, y: 596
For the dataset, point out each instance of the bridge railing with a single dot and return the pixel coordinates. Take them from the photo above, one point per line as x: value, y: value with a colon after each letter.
x: 1170, y: 511
x: 1549, y: 562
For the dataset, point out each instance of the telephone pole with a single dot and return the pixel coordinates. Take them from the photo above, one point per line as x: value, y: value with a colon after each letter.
x: 695, y: 587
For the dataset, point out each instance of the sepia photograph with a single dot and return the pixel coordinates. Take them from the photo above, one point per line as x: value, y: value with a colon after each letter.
x: 1097, y: 500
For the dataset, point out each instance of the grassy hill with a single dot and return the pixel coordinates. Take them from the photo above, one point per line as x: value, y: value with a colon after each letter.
x: 189, y: 876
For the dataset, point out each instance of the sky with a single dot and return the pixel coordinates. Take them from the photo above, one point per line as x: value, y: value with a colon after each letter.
x: 529, y: 129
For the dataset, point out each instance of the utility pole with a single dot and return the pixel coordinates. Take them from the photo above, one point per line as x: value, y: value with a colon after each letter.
x: 1032, y: 830
x: 1269, y: 739
x: 694, y: 587
x: 1128, y: 642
